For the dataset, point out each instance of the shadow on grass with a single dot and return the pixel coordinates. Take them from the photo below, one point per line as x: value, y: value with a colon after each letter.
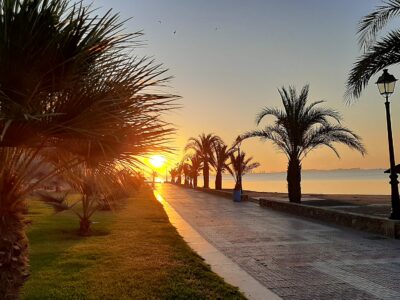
x: 50, y: 235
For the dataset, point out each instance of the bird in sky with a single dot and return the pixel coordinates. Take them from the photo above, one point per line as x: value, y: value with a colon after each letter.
x: 159, y: 21
x: 174, y: 31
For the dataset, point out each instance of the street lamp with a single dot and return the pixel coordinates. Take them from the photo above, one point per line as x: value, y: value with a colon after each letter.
x: 386, y: 83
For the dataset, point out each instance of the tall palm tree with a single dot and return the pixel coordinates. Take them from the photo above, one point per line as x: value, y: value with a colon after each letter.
x: 65, y: 78
x: 173, y: 173
x: 195, y: 166
x: 300, y: 128
x: 204, y: 146
x: 219, y: 161
x: 378, y: 53
x: 179, y: 170
x: 240, y: 166
x: 186, y: 173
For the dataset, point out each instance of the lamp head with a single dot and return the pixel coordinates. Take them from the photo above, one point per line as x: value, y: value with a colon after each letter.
x: 386, y: 83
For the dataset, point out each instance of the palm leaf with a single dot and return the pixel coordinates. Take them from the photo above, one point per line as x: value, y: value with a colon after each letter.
x: 379, y: 56
x: 374, y: 22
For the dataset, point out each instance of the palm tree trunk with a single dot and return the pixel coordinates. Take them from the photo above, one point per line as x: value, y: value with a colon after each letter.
x: 84, y: 227
x: 206, y: 175
x: 294, y: 180
x: 218, y: 180
x: 195, y: 182
x: 13, y: 255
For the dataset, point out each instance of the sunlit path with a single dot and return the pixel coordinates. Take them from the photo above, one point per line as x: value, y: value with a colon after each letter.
x: 220, y: 263
x: 293, y: 257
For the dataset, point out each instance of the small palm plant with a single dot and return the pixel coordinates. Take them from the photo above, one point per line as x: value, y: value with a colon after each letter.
x: 203, y: 145
x: 98, y: 189
x: 239, y: 166
x: 219, y: 161
x: 300, y: 128
x: 378, y: 54
x: 66, y: 77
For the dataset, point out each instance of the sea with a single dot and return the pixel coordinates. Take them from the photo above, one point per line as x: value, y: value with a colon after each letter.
x: 349, y: 181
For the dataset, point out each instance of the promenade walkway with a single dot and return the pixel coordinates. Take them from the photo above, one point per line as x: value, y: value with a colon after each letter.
x: 292, y: 257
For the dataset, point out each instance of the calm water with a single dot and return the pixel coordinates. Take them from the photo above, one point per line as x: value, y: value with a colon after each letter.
x: 372, y: 182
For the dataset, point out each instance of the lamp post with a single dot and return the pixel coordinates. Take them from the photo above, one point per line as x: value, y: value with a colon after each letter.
x: 386, y: 83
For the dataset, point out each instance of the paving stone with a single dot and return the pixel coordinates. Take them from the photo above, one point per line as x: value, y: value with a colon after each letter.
x: 293, y: 257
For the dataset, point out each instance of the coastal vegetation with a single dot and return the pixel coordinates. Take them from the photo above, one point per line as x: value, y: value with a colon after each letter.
x: 70, y: 90
x: 219, y: 161
x: 299, y: 128
x: 80, y: 112
x: 239, y: 166
x: 133, y: 253
x: 219, y: 156
x: 378, y: 52
x: 203, y: 146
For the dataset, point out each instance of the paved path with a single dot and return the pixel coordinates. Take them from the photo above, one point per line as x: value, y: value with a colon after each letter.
x: 293, y: 257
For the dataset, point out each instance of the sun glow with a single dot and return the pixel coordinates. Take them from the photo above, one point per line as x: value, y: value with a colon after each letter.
x: 157, y: 161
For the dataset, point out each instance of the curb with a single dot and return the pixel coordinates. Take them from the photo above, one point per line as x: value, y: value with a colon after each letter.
x: 362, y: 222
x: 221, y: 193
x: 377, y: 225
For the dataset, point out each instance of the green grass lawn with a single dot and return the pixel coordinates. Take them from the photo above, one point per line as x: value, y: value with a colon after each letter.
x: 135, y: 253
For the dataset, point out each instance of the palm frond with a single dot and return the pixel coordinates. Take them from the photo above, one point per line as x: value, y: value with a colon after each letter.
x: 276, y: 134
x: 277, y: 113
x: 374, y: 22
x: 301, y: 127
x: 241, y: 163
x: 329, y: 134
x: 379, y: 56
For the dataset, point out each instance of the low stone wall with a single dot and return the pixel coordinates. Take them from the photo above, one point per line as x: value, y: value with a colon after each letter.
x: 383, y: 226
x: 225, y: 194
x: 377, y: 225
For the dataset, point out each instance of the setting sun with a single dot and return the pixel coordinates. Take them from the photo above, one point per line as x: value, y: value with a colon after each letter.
x: 157, y: 161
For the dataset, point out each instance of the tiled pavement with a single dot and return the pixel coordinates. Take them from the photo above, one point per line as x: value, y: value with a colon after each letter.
x: 293, y: 257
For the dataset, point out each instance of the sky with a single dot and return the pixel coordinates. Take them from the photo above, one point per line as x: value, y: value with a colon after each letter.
x: 229, y: 57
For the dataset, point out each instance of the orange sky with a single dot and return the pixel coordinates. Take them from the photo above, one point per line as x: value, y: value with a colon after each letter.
x: 228, y: 58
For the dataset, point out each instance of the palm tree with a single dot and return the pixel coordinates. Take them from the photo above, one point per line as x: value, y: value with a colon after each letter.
x: 204, y: 145
x: 154, y: 176
x: 300, y: 128
x: 195, y: 166
x: 219, y: 162
x: 378, y: 53
x: 99, y: 189
x: 95, y: 185
x: 240, y: 166
x: 65, y: 78
x: 173, y: 173
x: 186, y: 173
x: 179, y: 170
